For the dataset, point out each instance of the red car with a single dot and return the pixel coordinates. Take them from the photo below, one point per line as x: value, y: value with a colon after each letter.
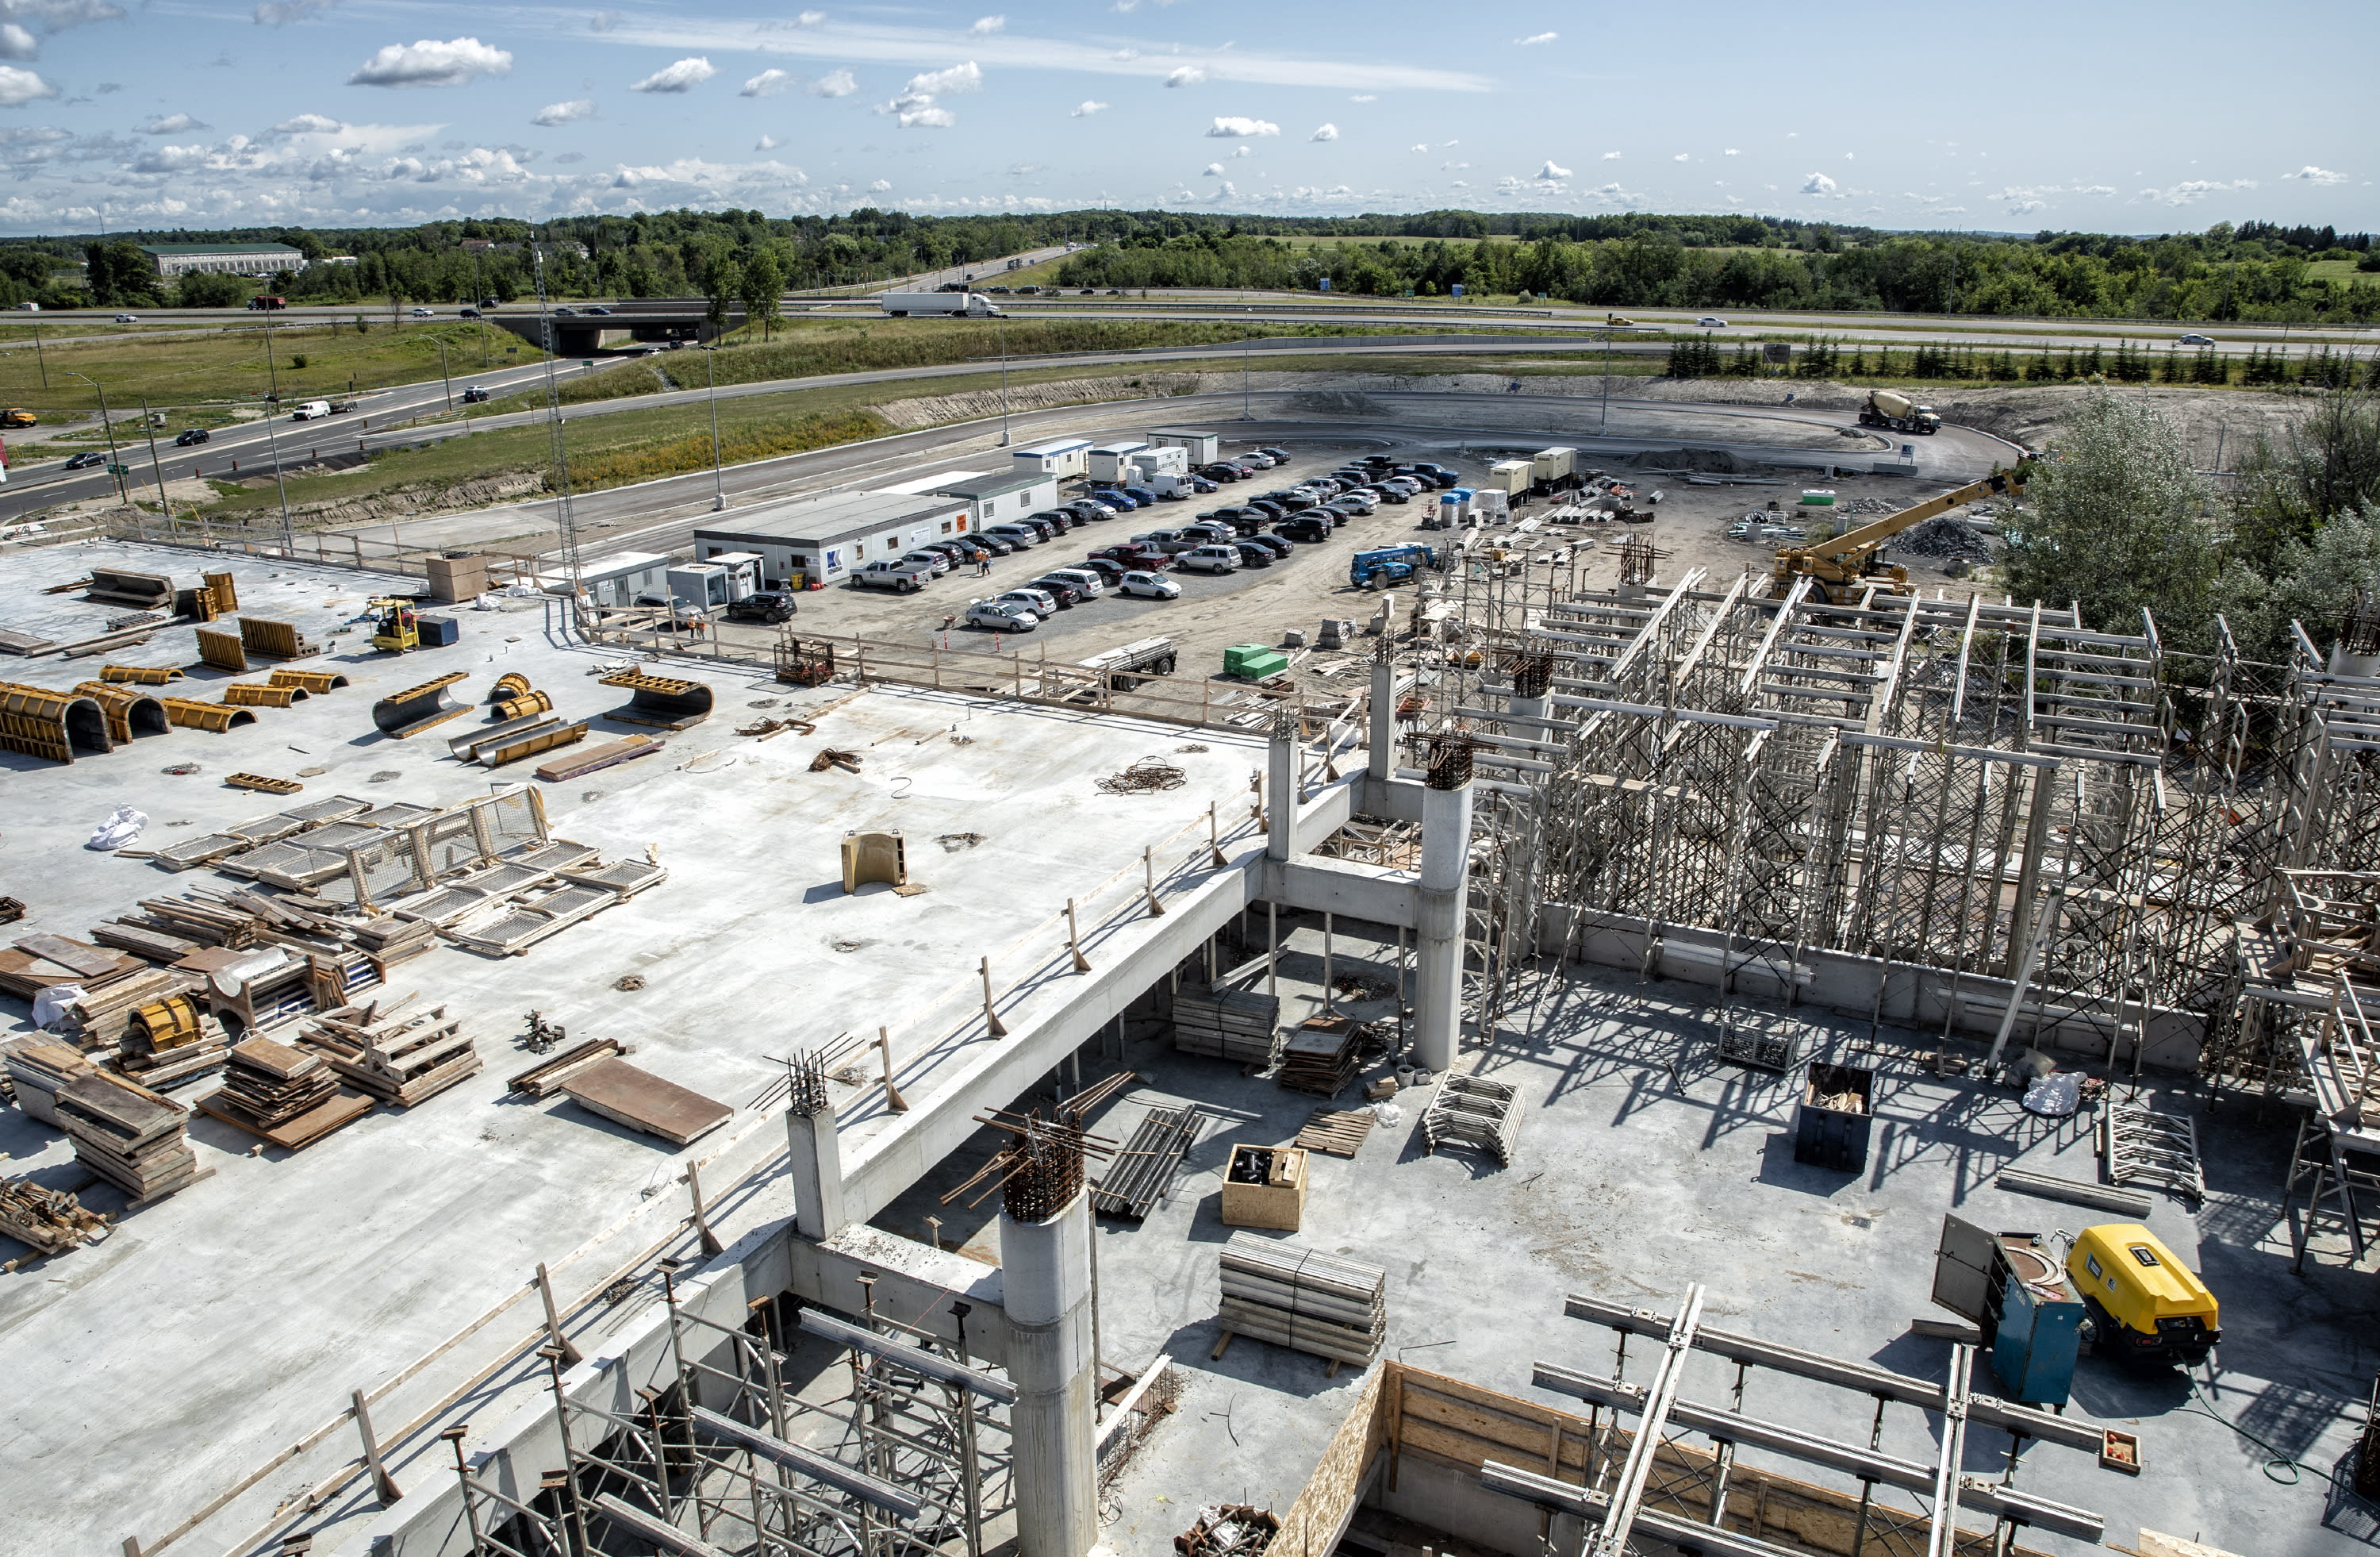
x: 1148, y: 557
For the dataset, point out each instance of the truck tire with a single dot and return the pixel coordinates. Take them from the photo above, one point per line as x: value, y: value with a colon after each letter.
x: 909, y: 586
x: 1164, y: 666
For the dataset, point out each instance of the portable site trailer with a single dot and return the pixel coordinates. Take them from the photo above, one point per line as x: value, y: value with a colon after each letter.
x: 1063, y: 458
x: 618, y: 579
x: 744, y: 572
x: 1508, y: 475
x: 702, y: 585
x: 1202, y: 448
x: 1109, y: 462
x: 1167, y: 461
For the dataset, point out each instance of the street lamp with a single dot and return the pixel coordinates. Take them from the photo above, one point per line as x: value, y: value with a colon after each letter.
x: 106, y: 432
x: 1001, y: 324
x: 270, y: 366
x: 446, y: 377
x: 718, y: 477
x: 156, y: 468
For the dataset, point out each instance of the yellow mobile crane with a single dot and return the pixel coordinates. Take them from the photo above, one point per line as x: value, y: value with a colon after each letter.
x: 1841, y: 568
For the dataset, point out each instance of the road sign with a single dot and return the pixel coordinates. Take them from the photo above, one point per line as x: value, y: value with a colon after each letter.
x: 1909, y: 450
x: 119, y: 470
x: 1771, y: 352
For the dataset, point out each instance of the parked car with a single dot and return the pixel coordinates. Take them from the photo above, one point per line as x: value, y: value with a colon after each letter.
x: 1222, y: 472
x: 1001, y: 615
x: 476, y: 394
x: 1135, y: 555
x: 938, y: 563
x: 1201, y: 484
x: 86, y: 460
x: 1252, y: 555
x: 1209, y: 559
x: 999, y: 546
x: 1017, y: 535
x: 1271, y: 511
x: 1148, y: 585
x: 1090, y: 510
x: 764, y: 606
x: 964, y: 553
x: 1209, y: 531
x: 1066, y: 517
x: 1172, y: 542
x: 1273, y: 544
x: 1361, y: 501
x: 1064, y: 590
x: 1041, y: 603
x: 1107, y: 568
x: 906, y: 576
x: 1126, y: 497
x: 1087, y: 579
x: 1280, y: 457
x: 1048, y: 529
x: 1306, y: 528
x: 192, y: 435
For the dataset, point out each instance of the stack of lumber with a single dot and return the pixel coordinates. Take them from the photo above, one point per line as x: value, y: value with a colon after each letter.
x: 1320, y: 1056
x: 172, y: 1040
x: 1470, y: 1111
x: 48, y: 1221
x: 398, y: 1058
x: 42, y: 961
x: 1142, y: 1173
x: 1226, y: 1025
x: 389, y: 941
x: 548, y: 1077
x: 1311, y: 1302
x: 197, y: 920
x: 289, y: 1098
x: 144, y: 938
x: 38, y: 1065
x: 128, y: 1136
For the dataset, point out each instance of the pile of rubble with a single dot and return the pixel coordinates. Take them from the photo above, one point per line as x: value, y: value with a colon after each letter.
x: 1945, y: 536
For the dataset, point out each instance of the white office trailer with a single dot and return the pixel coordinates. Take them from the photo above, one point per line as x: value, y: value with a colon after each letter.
x: 997, y: 499
x: 1552, y: 465
x: 615, y: 581
x: 1202, y: 448
x: 1509, y: 476
x: 1064, y: 458
x: 1110, y: 461
x: 1145, y: 464
x: 745, y: 572
x: 699, y: 586
x: 810, y: 542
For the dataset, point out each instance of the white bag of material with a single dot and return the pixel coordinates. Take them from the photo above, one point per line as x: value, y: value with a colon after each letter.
x: 1387, y: 1114
x: 118, y: 830
x: 483, y: 602
x: 50, y: 1004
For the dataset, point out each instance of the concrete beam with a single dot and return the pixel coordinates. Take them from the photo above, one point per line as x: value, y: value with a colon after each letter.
x: 1343, y: 887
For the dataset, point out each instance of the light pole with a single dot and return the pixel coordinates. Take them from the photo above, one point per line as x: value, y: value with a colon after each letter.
x: 37, y: 354
x: 106, y: 432
x: 1001, y: 324
x: 1247, y: 411
x: 1605, y: 420
x: 718, y: 476
x: 156, y: 466
x: 270, y: 366
x: 273, y: 439
x: 448, y: 379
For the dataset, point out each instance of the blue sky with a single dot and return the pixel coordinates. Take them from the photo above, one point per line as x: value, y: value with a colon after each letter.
x: 2109, y: 117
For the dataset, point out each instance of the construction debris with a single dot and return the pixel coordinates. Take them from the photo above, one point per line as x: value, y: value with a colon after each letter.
x: 1320, y: 1056
x: 1340, y: 1132
x: 1473, y: 1112
x: 828, y: 757
x: 1231, y: 1530
x: 546, y: 1078
x: 1946, y: 536
x: 2138, y: 1145
x: 398, y: 1058
x: 49, y: 1220
x: 283, y: 1095
x: 38, y: 1067
x: 1226, y: 1025
x: 129, y: 1135
x: 1301, y: 1298
x: 1147, y: 776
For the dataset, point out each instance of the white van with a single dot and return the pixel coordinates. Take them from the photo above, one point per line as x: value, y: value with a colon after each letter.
x: 311, y: 409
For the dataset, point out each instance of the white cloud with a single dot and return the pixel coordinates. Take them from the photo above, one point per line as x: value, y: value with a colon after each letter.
x: 1214, y: 170
x: 170, y: 159
x: 879, y: 187
x: 1550, y: 172
x: 1818, y: 184
x: 308, y: 123
x: 20, y: 86
x: 767, y: 143
x: 958, y: 77
x: 809, y: 18
x: 563, y: 112
x: 281, y: 12
x: 835, y: 83
x: 2313, y: 174
x: 604, y: 21
x: 167, y: 123
x: 1460, y: 184
x: 1452, y: 168
x: 2026, y: 207
x: 986, y: 26
x: 1228, y: 128
x: 768, y: 83
x: 916, y: 107
x: 2194, y: 190
x: 1534, y: 39
x: 1851, y: 157
x: 1328, y: 132
x: 684, y: 76
x: 18, y: 43
x: 1611, y: 156
x: 429, y: 63
x: 1683, y: 157
x: 1243, y: 151
x: 1730, y: 152
x: 1366, y: 97
x: 57, y: 15
x: 1086, y: 109
x: 1185, y: 75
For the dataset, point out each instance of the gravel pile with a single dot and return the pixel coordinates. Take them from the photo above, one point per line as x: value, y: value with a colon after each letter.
x: 1702, y: 462
x: 1946, y: 536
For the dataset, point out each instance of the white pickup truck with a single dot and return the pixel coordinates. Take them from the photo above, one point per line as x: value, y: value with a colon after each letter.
x: 970, y: 304
x: 906, y: 576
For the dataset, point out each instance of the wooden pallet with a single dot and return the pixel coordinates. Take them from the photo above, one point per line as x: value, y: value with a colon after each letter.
x: 342, y: 1108
x: 1340, y: 1132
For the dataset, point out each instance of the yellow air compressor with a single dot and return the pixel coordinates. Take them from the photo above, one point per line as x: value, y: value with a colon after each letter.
x: 2145, y: 1305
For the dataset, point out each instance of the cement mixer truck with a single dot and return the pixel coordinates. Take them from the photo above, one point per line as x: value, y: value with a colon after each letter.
x: 1891, y: 409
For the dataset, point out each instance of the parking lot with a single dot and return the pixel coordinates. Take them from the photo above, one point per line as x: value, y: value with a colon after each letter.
x: 1214, y: 610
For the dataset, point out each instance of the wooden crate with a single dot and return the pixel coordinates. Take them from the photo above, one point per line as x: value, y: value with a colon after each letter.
x: 1278, y: 1202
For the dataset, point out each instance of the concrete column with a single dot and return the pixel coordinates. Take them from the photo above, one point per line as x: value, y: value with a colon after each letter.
x: 816, y: 1172
x: 1280, y: 790
x: 1045, y: 1285
x: 1438, y: 923
x: 1382, y: 722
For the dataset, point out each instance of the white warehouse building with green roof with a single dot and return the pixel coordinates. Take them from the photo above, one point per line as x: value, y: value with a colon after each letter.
x: 231, y: 258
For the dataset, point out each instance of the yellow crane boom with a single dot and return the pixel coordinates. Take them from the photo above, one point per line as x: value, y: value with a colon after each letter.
x: 1846, y: 563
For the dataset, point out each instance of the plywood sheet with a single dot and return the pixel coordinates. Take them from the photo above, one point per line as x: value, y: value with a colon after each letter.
x: 641, y: 1101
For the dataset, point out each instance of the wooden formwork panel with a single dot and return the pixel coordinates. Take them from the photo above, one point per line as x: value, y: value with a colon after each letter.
x: 37, y: 722
x: 661, y: 701
x: 275, y: 640
x: 225, y: 590
x: 222, y: 649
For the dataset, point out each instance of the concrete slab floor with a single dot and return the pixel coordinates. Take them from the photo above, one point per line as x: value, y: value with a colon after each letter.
x: 1629, y: 1183
x: 214, y: 1328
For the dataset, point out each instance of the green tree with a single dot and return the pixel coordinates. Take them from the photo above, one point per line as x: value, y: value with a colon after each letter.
x: 2322, y: 464
x: 2315, y: 583
x: 210, y: 289
x: 763, y: 286
x: 2116, y: 525
x: 118, y: 273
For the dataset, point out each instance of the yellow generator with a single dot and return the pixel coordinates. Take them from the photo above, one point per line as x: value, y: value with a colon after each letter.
x: 2143, y: 1303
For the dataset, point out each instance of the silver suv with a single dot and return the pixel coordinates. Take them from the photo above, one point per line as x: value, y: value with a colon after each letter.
x: 1209, y: 559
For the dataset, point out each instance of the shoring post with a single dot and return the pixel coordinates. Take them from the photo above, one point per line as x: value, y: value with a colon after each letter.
x: 1214, y: 837
x: 710, y: 1244
x: 991, y: 1022
x: 1149, y: 875
x: 1073, y: 941
x: 892, y: 1098
x: 570, y: 1353
x: 384, y: 1484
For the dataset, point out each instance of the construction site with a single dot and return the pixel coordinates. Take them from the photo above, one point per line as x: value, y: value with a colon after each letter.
x: 1603, y: 1056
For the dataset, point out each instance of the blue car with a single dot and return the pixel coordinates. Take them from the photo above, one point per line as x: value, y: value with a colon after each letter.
x: 1113, y: 495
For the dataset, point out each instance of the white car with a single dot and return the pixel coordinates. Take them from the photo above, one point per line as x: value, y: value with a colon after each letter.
x: 1707, y: 323
x: 1148, y: 585
x: 2194, y: 338
x: 127, y: 319
x: 1001, y: 615
x: 1209, y: 559
x: 1041, y: 603
x: 423, y: 313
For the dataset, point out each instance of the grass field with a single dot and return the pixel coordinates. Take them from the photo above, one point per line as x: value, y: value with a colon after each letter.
x: 230, y: 369
x: 2335, y: 270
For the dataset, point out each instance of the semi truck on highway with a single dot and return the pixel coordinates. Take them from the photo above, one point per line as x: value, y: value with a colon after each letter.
x: 970, y: 304
x: 1887, y: 407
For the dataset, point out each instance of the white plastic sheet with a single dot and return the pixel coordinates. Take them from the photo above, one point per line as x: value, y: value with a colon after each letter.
x: 50, y: 1004
x: 121, y: 827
